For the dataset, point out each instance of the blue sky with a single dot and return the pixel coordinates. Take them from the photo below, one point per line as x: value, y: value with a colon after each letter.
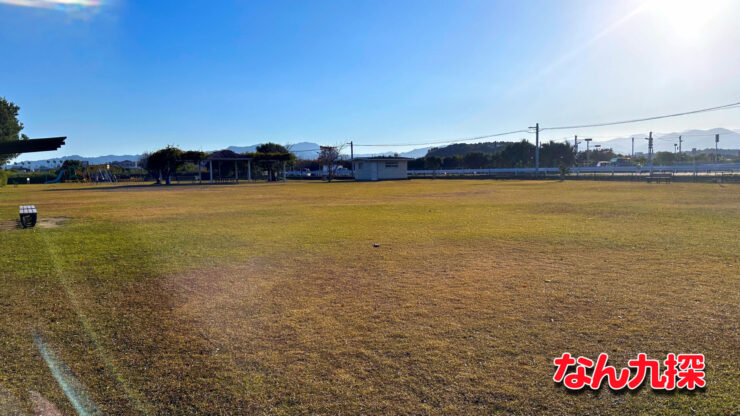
x: 124, y: 76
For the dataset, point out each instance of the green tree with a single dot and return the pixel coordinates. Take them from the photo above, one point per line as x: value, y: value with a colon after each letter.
x: 195, y: 157
x: 564, y: 171
x: 476, y: 160
x: 416, y: 164
x: 640, y: 160
x: 452, y: 162
x: 518, y: 155
x: 331, y: 158
x: 270, y: 147
x: 162, y: 163
x: 432, y: 162
x: 10, y: 126
x: 554, y: 154
x: 270, y: 156
x: 149, y: 168
x: 461, y: 149
x: 664, y: 158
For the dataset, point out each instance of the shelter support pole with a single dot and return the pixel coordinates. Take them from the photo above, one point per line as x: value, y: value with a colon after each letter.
x: 236, y: 170
x: 284, y: 178
x: 210, y: 169
x: 249, y: 171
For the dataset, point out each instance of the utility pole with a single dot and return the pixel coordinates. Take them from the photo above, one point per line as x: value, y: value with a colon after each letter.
x: 588, y: 147
x: 536, y: 149
x: 352, y: 154
x: 716, y: 148
x: 633, y: 148
x: 650, y: 151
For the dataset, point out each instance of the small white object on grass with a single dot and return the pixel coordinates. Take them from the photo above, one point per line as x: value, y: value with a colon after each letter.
x: 376, y: 245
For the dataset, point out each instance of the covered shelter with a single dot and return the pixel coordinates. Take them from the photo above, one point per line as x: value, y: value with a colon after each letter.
x: 260, y: 158
x: 229, y: 156
x: 380, y: 168
x: 31, y: 145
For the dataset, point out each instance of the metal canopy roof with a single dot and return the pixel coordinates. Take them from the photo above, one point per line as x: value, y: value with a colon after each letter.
x: 227, y: 155
x: 32, y: 145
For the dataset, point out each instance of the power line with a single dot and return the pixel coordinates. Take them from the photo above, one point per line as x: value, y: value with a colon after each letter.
x: 694, y: 136
x: 613, y: 123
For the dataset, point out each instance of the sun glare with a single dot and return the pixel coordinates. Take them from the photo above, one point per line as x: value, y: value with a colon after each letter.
x: 688, y: 19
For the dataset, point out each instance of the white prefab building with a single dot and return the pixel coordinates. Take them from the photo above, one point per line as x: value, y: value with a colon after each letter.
x: 380, y: 168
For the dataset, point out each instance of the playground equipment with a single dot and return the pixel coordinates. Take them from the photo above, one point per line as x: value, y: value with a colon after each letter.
x: 82, y: 173
x: 104, y: 175
x: 58, y: 178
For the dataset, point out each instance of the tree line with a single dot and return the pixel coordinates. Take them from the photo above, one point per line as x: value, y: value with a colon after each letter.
x: 511, y: 155
x: 165, y: 163
x: 685, y: 158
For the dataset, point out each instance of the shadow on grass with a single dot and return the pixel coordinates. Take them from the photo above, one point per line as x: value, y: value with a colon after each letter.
x: 151, y: 186
x: 145, y: 186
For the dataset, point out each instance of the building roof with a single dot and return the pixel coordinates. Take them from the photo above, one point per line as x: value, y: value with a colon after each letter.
x: 380, y: 158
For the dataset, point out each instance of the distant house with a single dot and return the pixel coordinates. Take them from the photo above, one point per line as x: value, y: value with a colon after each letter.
x: 380, y: 168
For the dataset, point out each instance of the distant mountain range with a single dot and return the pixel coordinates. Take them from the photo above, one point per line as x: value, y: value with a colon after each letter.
x: 699, y: 139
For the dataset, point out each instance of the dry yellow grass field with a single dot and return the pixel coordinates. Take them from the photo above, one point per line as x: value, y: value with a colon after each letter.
x: 271, y: 298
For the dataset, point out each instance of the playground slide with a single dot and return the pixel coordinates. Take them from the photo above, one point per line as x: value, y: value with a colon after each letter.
x: 59, y: 178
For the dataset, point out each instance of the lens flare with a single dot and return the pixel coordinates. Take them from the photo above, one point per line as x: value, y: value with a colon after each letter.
x: 71, y: 386
x: 54, y: 4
